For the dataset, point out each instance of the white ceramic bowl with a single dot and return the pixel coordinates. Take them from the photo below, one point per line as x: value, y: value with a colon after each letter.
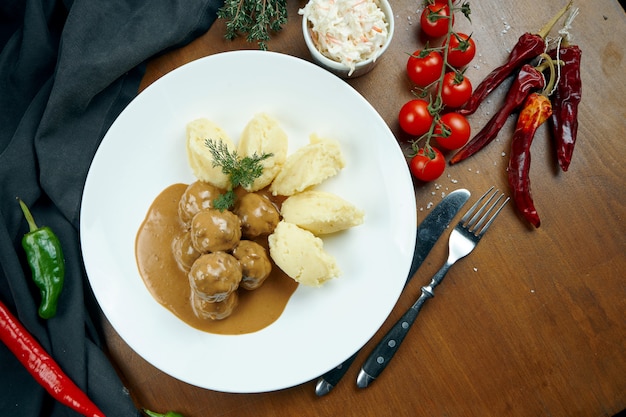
x: 340, y: 69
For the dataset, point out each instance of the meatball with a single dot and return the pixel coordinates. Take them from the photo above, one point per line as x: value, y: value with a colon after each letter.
x: 214, y: 276
x: 258, y: 215
x: 255, y: 264
x: 214, y: 310
x: 213, y: 230
x: 198, y: 196
x: 184, y: 252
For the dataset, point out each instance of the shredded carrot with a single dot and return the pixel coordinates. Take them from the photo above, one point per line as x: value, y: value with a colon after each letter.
x: 358, y: 29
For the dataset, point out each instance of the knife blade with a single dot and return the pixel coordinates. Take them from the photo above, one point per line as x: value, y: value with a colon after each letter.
x: 429, y: 230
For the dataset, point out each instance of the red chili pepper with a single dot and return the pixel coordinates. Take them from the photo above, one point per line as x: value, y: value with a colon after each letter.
x: 527, y: 80
x: 528, y: 46
x: 42, y: 367
x: 566, y: 97
x: 537, y: 109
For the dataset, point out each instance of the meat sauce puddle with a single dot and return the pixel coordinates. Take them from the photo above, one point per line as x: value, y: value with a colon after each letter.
x: 169, y: 285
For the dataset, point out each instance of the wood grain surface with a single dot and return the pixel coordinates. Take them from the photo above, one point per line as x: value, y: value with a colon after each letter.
x: 533, y: 322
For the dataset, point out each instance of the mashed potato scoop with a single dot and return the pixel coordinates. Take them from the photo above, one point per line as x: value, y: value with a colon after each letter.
x: 309, y: 166
x: 301, y: 255
x: 199, y: 155
x: 263, y: 135
x: 321, y: 212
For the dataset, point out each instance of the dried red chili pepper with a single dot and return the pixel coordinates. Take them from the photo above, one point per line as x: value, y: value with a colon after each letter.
x: 537, y: 109
x: 565, y: 100
x: 527, y: 80
x: 528, y: 46
x: 42, y: 367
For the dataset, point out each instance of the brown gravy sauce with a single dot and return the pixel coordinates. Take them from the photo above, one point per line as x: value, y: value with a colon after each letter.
x: 169, y: 285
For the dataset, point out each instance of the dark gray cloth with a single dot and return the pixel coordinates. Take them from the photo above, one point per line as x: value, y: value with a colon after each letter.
x: 67, y: 69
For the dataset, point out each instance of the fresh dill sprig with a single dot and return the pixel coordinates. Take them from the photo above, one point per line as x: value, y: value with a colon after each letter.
x: 240, y: 171
x: 225, y: 201
x: 256, y: 18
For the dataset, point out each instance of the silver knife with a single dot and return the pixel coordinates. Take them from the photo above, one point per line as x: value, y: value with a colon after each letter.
x: 428, y: 232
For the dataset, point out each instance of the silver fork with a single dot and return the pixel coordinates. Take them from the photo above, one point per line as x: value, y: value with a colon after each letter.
x: 463, y: 239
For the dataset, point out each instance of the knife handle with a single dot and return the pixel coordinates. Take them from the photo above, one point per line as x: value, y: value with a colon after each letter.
x: 377, y: 361
x: 327, y: 382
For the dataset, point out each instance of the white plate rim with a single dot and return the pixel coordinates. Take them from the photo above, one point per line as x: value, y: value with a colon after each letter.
x: 147, y: 327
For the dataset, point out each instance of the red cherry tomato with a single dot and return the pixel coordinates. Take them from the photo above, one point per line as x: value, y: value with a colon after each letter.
x: 427, y: 164
x: 425, y: 70
x: 461, y: 50
x: 415, y: 118
x: 435, y: 19
x: 456, y: 90
x: 454, y: 133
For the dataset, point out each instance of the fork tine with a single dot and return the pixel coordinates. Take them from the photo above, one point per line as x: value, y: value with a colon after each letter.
x: 470, y: 212
x: 495, y: 214
x: 486, y: 217
x: 482, y: 218
x: 475, y: 222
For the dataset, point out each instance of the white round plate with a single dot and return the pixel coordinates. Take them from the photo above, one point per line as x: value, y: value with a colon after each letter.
x: 144, y: 152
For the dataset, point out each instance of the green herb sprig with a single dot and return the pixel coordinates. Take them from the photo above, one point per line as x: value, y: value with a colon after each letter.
x: 256, y: 18
x: 240, y: 171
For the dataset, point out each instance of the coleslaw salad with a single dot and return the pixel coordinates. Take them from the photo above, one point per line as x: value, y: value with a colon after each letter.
x: 347, y: 31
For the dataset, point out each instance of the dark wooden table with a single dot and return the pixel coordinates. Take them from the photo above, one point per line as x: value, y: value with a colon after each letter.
x: 533, y: 322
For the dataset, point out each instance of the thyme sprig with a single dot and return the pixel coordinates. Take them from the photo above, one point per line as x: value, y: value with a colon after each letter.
x: 241, y: 171
x: 256, y: 18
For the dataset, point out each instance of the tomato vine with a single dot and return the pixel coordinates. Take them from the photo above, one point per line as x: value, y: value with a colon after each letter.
x: 438, y: 77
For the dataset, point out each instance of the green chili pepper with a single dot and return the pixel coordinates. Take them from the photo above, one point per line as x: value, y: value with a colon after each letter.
x: 45, y: 258
x: 168, y: 414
